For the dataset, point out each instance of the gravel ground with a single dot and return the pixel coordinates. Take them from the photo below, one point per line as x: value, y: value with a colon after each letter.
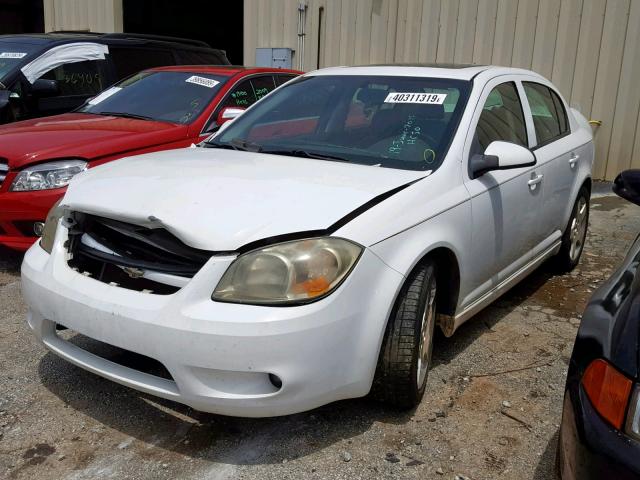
x: 491, y: 410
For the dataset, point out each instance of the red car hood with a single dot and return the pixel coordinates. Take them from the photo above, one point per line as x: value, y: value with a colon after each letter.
x: 81, y: 135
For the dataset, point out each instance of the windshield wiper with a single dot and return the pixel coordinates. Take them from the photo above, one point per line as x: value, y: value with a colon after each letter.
x: 235, y: 144
x: 125, y: 115
x: 306, y: 154
x: 245, y: 145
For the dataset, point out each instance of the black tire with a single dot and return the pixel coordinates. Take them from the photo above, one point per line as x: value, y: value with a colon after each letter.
x: 401, y: 375
x: 567, y: 258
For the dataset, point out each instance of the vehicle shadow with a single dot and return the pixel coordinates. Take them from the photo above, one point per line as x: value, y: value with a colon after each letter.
x: 180, y: 429
x: 446, y: 349
x: 10, y: 260
x: 546, y: 469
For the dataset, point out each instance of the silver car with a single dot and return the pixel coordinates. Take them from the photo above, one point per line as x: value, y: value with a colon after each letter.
x: 305, y: 253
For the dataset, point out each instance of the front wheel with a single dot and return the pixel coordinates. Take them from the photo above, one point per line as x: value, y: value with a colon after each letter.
x: 405, y: 356
x: 575, y: 234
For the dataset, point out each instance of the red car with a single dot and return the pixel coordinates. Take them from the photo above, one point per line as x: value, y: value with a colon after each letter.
x: 157, y: 109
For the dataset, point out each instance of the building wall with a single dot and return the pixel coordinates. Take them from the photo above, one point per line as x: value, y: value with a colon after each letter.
x: 589, y: 48
x: 91, y: 15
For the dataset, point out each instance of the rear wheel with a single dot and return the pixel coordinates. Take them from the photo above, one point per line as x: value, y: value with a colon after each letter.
x: 575, y: 234
x: 405, y: 357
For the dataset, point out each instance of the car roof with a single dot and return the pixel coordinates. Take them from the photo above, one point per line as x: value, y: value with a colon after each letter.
x: 73, y: 36
x: 434, y: 70
x: 227, y: 70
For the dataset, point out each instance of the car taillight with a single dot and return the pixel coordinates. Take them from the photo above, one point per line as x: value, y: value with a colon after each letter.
x: 608, y: 390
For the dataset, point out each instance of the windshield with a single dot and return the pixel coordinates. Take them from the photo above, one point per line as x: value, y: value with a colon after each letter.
x: 176, y: 97
x: 395, y: 122
x: 13, y: 55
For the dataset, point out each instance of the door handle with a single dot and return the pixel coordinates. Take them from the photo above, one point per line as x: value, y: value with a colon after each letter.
x: 535, y: 181
x: 573, y: 160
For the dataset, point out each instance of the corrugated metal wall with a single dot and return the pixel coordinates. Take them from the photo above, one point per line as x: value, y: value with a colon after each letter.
x: 90, y: 15
x: 589, y: 48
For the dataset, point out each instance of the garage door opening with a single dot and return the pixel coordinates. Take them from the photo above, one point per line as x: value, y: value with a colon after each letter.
x: 217, y: 23
x: 21, y: 16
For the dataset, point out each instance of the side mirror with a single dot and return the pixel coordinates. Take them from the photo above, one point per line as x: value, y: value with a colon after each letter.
x: 45, y: 88
x: 627, y: 185
x: 227, y: 114
x: 500, y: 156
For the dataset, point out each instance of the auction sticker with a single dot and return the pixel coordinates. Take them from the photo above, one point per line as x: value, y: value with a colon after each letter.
x: 425, y: 98
x: 12, y: 55
x: 205, y: 82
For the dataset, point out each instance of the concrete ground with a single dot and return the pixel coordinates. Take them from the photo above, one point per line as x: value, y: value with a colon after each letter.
x: 491, y: 411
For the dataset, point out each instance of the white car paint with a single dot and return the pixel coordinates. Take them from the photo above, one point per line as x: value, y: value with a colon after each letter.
x: 495, y: 229
x: 279, y: 195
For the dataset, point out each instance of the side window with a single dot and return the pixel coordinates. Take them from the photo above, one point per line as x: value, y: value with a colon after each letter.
x: 280, y: 79
x: 262, y: 86
x: 128, y: 61
x: 80, y: 78
x: 196, y: 57
x: 502, y: 117
x: 549, y: 115
x: 240, y: 96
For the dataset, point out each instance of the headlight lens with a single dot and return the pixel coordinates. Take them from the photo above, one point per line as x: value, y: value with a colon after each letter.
x: 50, y: 227
x: 292, y: 272
x: 47, y: 176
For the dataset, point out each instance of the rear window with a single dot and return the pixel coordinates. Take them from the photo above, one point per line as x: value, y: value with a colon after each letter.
x: 176, y: 97
x: 195, y: 57
x: 128, y: 61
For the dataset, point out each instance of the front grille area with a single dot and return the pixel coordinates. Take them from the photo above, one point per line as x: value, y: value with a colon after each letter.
x: 4, y: 169
x: 151, y: 260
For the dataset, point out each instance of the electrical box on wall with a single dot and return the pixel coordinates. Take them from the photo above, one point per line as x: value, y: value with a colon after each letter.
x: 274, y: 57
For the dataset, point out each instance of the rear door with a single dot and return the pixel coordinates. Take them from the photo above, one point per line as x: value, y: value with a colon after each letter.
x: 556, y: 154
x: 506, y: 204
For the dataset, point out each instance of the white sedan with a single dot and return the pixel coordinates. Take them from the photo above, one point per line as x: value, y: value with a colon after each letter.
x: 306, y: 252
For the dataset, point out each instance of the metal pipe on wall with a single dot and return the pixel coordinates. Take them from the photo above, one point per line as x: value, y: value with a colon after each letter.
x: 302, y: 20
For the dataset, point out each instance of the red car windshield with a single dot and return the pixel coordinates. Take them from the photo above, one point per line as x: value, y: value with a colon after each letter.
x: 176, y: 97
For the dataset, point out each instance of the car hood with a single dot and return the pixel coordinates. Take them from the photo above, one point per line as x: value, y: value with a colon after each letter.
x: 221, y: 200
x: 80, y: 135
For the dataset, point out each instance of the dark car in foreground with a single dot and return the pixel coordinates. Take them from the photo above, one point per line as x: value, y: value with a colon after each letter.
x: 600, y: 430
x: 51, y: 73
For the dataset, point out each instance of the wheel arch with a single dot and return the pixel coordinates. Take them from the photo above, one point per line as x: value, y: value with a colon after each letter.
x: 448, y: 284
x: 586, y: 182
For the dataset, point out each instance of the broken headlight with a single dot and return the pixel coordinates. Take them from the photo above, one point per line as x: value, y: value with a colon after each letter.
x: 47, y: 176
x: 51, y: 227
x: 288, y: 273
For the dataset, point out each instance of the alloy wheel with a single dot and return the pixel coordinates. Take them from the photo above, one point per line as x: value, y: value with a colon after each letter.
x: 426, y: 333
x: 578, y: 230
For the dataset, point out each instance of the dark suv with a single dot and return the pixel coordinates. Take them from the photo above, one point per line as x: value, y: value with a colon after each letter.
x: 47, y: 74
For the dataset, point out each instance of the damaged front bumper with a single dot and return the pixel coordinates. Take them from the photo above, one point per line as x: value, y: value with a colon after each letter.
x: 221, y: 357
